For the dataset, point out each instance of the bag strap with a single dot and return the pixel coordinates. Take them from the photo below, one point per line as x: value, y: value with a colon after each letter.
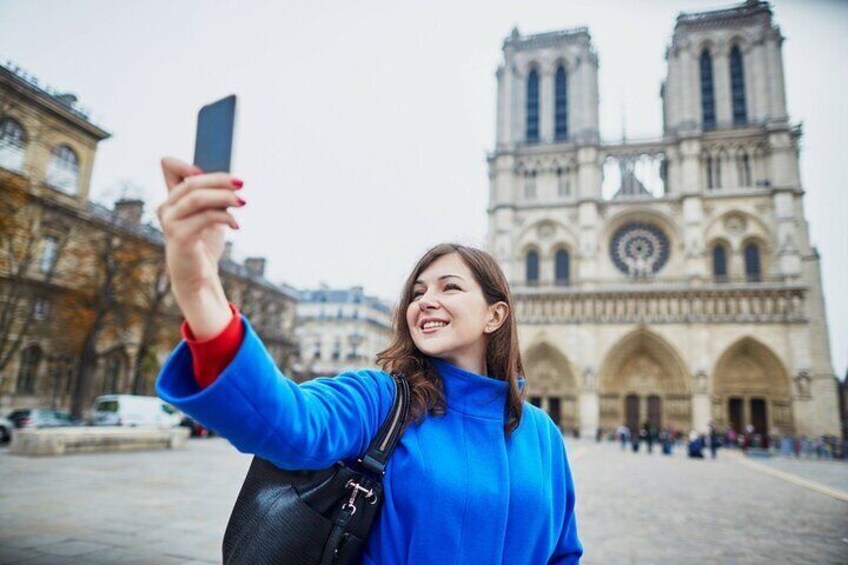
x: 382, y: 446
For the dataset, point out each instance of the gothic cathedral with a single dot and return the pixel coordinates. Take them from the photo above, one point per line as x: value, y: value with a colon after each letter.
x: 671, y: 280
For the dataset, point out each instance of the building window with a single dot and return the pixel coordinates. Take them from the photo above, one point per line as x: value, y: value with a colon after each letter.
x: 719, y: 263
x: 753, y: 270
x: 708, y: 166
x: 737, y: 87
x: 564, y: 181
x: 63, y: 170
x: 707, y: 95
x: 717, y: 175
x: 530, y: 185
x: 337, y: 349
x: 532, y: 268
x: 532, y: 107
x: 41, y: 309
x: 743, y: 166
x: 562, y: 268
x: 30, y: 359
x: 561, y: 105
x: 49, y: 253
x: 317, y: 352
x: 12, y: 145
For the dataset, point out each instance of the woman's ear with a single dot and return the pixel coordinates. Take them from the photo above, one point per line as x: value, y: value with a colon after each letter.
x: 498, y: 313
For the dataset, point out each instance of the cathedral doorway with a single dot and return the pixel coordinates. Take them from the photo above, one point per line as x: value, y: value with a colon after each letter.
x: 655, y: 412
x: 734, y: 410
x: 759, y: 418
x: 644, y: 380
x: 551, y: 385
x: 631, y: 409
x: 751, y: 387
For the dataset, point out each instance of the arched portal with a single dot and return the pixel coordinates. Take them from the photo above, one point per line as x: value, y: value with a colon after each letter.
x: 751, y: 388
x: 551, y: 385
x: 643, y: 380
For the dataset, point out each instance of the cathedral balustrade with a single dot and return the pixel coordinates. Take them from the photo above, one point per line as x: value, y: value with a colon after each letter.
x: 714, y: 304
x: 634, y: 169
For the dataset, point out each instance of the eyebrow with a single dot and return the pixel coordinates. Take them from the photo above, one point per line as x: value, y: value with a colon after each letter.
x: 419, y: 281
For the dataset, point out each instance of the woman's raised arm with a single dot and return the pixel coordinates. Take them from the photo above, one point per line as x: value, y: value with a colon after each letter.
x: 194, y: 218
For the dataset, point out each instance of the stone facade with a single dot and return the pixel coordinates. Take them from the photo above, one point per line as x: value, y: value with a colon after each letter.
x: 669, y: 280
x: 339, y: 330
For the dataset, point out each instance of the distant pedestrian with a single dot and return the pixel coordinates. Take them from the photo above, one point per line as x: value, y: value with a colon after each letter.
x: 732, y: 437
x: 666, y: 440
x: 696, y: 445
x: 713, y: 440
x: 786, y: 445
x: 623, y: 433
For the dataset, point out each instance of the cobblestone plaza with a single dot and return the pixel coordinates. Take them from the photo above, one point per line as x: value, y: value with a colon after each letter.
x: 167, y: 507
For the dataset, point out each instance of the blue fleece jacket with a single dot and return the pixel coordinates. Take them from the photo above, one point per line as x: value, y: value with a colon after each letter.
x: 457, y: 489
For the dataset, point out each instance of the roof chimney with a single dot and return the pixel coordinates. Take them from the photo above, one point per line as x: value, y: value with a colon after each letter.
x: 130, y: 211
x: 255, y: 266
x: 227, y: 255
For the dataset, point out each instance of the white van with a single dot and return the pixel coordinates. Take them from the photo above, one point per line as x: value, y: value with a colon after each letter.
x: 132, y: 410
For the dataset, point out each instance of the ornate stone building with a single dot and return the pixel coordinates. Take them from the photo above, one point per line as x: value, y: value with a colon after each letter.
x: 82, y: 287
x: 669, y: 280
x: 339, y: 330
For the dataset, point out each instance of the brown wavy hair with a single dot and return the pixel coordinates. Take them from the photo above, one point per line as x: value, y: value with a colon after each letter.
x: 503, y: 358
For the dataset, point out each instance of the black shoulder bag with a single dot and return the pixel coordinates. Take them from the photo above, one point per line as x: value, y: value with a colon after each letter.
x: 313, y: 517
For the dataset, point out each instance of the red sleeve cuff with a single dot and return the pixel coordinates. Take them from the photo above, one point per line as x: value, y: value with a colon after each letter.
x: 211, y: 356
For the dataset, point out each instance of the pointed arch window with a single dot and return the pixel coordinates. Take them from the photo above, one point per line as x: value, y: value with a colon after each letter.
x: 561, y: 104
x: 30, y: 360
x: 562, y: 268
x: 63, y: 170
x: 719, y: 263
x: 532, y: 267
x: 708, y: 166
x: 753, y: 270
x: 708, y: 115
x: 530, y: 185
x: 717, y: 174
x: 12, y: 145
x: 743, y: 165
x: 737, y: 87
x: 532, y: 108
x: 564, y: 181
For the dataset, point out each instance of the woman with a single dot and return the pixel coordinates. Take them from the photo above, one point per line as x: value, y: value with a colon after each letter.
x: 480, y: 476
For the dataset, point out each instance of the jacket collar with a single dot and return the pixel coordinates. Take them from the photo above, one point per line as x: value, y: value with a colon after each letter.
x: 473, y: 394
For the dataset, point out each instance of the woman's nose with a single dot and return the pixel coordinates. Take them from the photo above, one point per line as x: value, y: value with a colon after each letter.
x: 426, y: 302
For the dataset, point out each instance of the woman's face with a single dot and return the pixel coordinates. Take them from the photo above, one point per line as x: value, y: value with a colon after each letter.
x: 449, y: 318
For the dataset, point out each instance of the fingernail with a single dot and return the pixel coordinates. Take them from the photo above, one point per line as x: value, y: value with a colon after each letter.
x: 241, y: 201
x: 237, y: 182
x: 235, y: 224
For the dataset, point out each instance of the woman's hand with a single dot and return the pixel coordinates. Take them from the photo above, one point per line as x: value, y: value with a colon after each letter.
x: 194, y: 220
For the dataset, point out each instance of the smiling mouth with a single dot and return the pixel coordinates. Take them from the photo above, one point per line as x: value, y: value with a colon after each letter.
x: 432, y: 327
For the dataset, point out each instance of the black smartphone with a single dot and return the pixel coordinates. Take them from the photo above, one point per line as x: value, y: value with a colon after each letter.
x: 213, y: 147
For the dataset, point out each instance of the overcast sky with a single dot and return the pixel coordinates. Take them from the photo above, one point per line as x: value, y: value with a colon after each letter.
x: 363, y: 126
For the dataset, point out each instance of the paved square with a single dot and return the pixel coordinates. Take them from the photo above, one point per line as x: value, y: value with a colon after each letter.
x: 164, y: 507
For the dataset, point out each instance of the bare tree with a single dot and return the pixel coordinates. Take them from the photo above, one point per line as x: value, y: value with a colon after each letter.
x: 24, y: 226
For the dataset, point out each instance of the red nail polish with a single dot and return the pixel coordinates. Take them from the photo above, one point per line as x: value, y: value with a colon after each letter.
x: 238, y: 183
x: 236, y: 225
x: 241, y: 201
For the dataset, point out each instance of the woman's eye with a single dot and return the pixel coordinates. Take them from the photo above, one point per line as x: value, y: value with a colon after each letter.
x: 416, y: 294
x: 451, y: 286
